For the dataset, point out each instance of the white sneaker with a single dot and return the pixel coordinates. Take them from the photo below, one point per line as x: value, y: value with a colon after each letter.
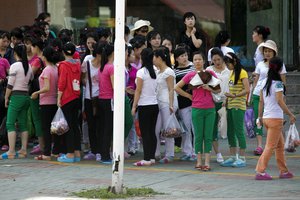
x: 220, y: 158
x: 98, y: 157
x: 142, y: 163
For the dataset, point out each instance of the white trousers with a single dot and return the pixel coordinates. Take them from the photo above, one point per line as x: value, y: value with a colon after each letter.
x: 163, y: 116
x: 187, y: 139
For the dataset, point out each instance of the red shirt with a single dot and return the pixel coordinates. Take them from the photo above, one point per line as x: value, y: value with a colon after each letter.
x: 69, y: 80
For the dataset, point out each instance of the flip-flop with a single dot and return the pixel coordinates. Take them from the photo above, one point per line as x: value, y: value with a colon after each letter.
x: 20, y: 154
x: 42, y: 157
x: 5, y: 156
x: 199, y: 167
x: 206, y: 168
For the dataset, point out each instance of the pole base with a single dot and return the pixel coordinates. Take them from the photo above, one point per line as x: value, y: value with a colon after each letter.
x: 113, y: 189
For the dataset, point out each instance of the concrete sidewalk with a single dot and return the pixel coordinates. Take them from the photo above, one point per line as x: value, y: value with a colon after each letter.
x: 29, y: 179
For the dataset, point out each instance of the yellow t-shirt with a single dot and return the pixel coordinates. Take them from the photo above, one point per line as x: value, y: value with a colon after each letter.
x: 238, y: 102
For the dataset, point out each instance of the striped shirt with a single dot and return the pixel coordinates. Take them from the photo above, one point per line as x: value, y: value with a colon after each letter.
x: 183, y: 102
x: 237, y: 102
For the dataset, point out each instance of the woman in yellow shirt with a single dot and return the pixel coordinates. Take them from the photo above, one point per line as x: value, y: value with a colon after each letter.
x: 236, y: 106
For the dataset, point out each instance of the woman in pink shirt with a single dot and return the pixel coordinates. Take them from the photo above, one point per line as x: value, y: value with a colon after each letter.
x: 48, y: 98
x: 37, y: 66
x: 203, y: 111
x: 106, y: 96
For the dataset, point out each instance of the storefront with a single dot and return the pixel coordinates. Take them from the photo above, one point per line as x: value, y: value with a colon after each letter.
x: 239, y: 17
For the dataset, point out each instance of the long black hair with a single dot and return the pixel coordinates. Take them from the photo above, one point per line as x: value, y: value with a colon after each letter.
x: 221, y: 38
x: 53, y: 55
x: 163, y: 52
x: 138, y: 41
x: 147, y: 61
x: 275, y: 66
x: 20, y: 50
x: 216, y: 51
x: 151, y: 35
x: 233, y: 59
x: 108, y: 49
x: 262, y: 30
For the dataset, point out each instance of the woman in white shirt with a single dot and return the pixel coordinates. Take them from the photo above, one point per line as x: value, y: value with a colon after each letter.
x: 259, y: 35
x: 90, y: 69
x: 146, y: 102
x: 223, y: 73
x: 222, y: 40
x: 271, y: 109
x: 17, y: 102
x: 269, y: 50
x: 167, y: 100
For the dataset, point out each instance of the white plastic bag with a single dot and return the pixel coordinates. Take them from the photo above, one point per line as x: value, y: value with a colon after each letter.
x: 172, y: 128
x: 291, y: 137
x: 59, y: 124
x: 222, y: 124
x: 184, y: 129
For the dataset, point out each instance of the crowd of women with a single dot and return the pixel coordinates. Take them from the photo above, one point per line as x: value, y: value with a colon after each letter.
x: 43, y: 72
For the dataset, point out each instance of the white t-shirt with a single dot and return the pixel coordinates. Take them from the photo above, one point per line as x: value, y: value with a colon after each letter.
x: 162, y: 88
x: 262, y: 70
x: 271, y: 107
x: 94, y: 80
x: 224, y: 76
x: 258, y: 56
x: 224, y: 49
x: 88, y: 57
x: 148, y: 93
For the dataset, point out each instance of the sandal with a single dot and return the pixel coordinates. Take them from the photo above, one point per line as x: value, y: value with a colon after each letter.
x: 5, y: 156
x: 42, y: 157
x: 199, y: 167
x: 206, y: 168
x: 21, y: 154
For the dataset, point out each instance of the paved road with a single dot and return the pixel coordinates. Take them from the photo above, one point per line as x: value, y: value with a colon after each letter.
x: 27, y: 178
x: 42, y: 180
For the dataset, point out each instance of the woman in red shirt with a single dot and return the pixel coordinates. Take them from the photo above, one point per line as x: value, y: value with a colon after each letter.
x: 68, y: 100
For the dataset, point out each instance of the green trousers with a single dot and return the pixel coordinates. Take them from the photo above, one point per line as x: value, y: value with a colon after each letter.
x: 203, y: 121
x: 36, y: 117
x: 17, y: 112
x: 255, y: 108
x: 235, y: 128
x: 128, y: 117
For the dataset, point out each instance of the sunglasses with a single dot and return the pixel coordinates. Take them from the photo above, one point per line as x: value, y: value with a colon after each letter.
x: 144, y: 30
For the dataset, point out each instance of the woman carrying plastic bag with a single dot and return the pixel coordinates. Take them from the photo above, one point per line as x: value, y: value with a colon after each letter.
x: 271, y: 109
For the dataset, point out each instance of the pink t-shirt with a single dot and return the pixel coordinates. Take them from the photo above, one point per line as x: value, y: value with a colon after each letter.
x: 32, y: 59
x: 201, y: 98
x: 39, y: 64
x: 132, y: 76
x: 4, y: 67
x: 50, y: 97
x: 106, y: 90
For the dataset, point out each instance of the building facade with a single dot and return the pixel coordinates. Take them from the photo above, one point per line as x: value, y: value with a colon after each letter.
x: 239, y: 17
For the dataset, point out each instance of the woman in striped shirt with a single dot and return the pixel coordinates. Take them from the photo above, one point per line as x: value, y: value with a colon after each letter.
x: 236, y: 106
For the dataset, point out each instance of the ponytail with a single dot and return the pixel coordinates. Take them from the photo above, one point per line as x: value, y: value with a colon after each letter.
x: 107, y: 50
x: 20, y: 50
